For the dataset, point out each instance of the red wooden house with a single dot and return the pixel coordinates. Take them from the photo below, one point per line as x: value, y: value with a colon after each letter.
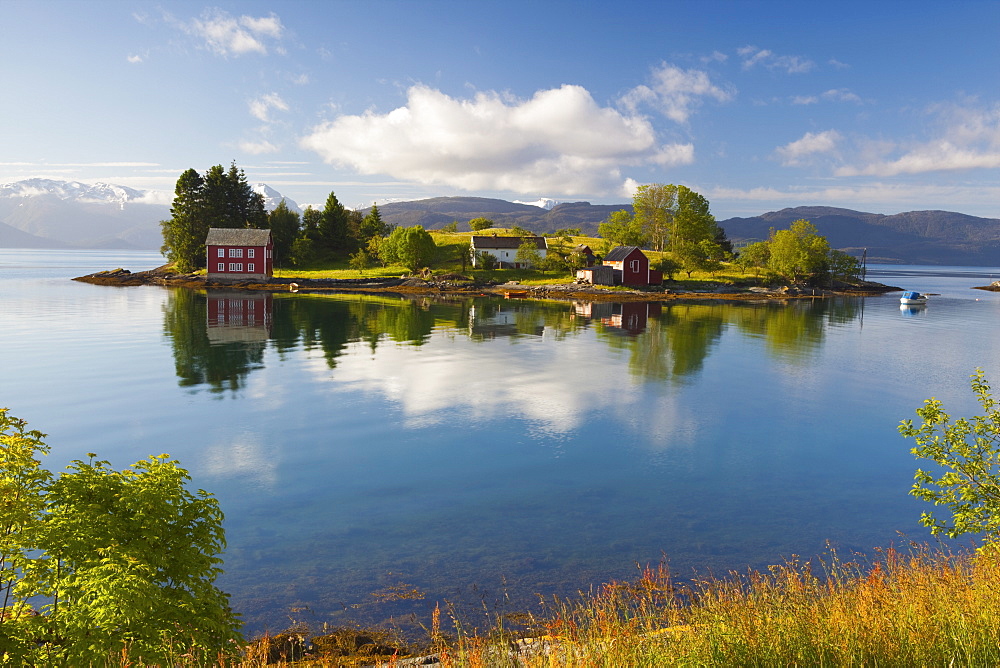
x: 633, y: 266
x: 239, y: 254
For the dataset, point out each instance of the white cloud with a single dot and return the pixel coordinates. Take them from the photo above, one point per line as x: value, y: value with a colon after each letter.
x: 802, y: 99
x: 227, y: 35
x: 810, y: 144
x: 841, y: 95
x: 258, y: 148
x: 134, y: 58
x: 675, y: 92
x: 262, y: 106
x: 752, y: 57
x: 969, y: 138
x: 559, y: 141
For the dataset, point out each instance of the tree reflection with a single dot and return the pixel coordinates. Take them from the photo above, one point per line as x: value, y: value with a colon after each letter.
x: 222, y: 364
x: 218, y: 338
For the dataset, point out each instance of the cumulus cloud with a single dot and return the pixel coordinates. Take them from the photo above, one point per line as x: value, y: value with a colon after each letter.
x: 262, y: 106
x: 968, y: 138
x: 560, y: 141
x: 675, y: 92
x: 810, y: 144
x: 752, y: 57
x: 228, y: 35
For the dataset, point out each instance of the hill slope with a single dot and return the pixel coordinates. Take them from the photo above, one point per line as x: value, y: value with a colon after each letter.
x: 914, y: 237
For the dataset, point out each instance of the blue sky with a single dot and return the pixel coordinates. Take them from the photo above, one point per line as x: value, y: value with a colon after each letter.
x: 875, y: 106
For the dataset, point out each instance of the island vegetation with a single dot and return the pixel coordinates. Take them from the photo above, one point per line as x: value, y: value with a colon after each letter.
x: 672, y: 223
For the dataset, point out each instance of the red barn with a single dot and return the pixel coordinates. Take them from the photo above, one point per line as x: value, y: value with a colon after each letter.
x: 633, y: 265
x: 238, y: 254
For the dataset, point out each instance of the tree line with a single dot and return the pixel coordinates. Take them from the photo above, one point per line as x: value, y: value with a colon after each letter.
x: 223, y: 198
x: 672, y: 220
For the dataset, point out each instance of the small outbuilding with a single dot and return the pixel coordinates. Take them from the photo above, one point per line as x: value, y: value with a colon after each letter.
x: 239, y: 254
x: 623, y: 265
x: 633, y: 265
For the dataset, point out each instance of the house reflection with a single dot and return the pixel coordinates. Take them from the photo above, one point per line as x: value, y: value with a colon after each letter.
x: 239, y: 315
x: 490, y: 321
x: 629, y: 317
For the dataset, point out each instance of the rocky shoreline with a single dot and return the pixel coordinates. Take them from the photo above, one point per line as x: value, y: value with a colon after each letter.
x: 460, y: 285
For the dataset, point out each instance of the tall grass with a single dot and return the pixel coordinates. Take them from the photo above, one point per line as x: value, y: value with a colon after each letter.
x: 921, y: 608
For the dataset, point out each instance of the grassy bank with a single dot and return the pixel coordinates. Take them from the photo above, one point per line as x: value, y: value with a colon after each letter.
x: 919, y: 608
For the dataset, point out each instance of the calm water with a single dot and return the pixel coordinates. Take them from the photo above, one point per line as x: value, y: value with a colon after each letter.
x: 483, y: 451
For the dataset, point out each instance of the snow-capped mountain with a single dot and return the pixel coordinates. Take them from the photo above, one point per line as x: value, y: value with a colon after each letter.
x: 72, y: 190
x: 46, y: 213
x: 272, y: 198
x: 541, y: 203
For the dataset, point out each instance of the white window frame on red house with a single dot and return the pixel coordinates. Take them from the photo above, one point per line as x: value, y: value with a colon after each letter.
x: 222, y: 252
x: 249, y: 252
x: 222, y: 266
x: 236, y: 266
x: 250, y: 268
x: 634, y: 266
x: 235, y: 252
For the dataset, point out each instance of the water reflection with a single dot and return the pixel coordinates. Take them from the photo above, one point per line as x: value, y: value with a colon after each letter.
x: 220, y: 337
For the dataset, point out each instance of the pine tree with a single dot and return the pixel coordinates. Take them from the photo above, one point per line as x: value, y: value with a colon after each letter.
x: 284, y: 224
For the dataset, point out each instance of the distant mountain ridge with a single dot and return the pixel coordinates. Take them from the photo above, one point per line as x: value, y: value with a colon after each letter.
x: 913, y: 237
x: 42, y: 213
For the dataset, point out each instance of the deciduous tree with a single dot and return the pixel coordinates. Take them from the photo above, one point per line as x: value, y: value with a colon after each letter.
x: 966, y: 474
x: 655, y: 206
x: 412, y: 247
x: 623, y: 229
x: 123, y: 561
x: 477, y: 224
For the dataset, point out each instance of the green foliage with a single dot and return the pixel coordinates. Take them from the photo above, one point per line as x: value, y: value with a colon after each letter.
x: 477, y: 224
x: 372, y: 226
x: 843, y: 265
x: 360, y: 261
x: 485, y: 260
x: 668, y: 266
x: 126, y: 560
x: 528, y: 254
x: 412, y: 247
x: 450, y: 228
x: 311, y: 218
x: 655, y: 207
x: 623, y: 229
x: 967, y: 454
x: 798, y: 252
x: 334, y: 234
x: 303, y: 251
x: 285, y: 226
x: 755, y: 256
x: 219, y: 199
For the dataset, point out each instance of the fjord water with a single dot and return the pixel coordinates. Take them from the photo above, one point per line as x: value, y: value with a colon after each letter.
x: 482, y: 451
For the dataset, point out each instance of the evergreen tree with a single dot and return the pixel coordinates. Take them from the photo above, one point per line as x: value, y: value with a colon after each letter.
x: 311, y: 218
x: 284, y: 224
x: 372, y: 225
x: 334, y: 226
x: 219, y: 199
x: 184, y: 234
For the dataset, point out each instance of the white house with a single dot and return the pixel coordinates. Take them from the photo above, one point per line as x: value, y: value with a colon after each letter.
x: 504, y: 249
